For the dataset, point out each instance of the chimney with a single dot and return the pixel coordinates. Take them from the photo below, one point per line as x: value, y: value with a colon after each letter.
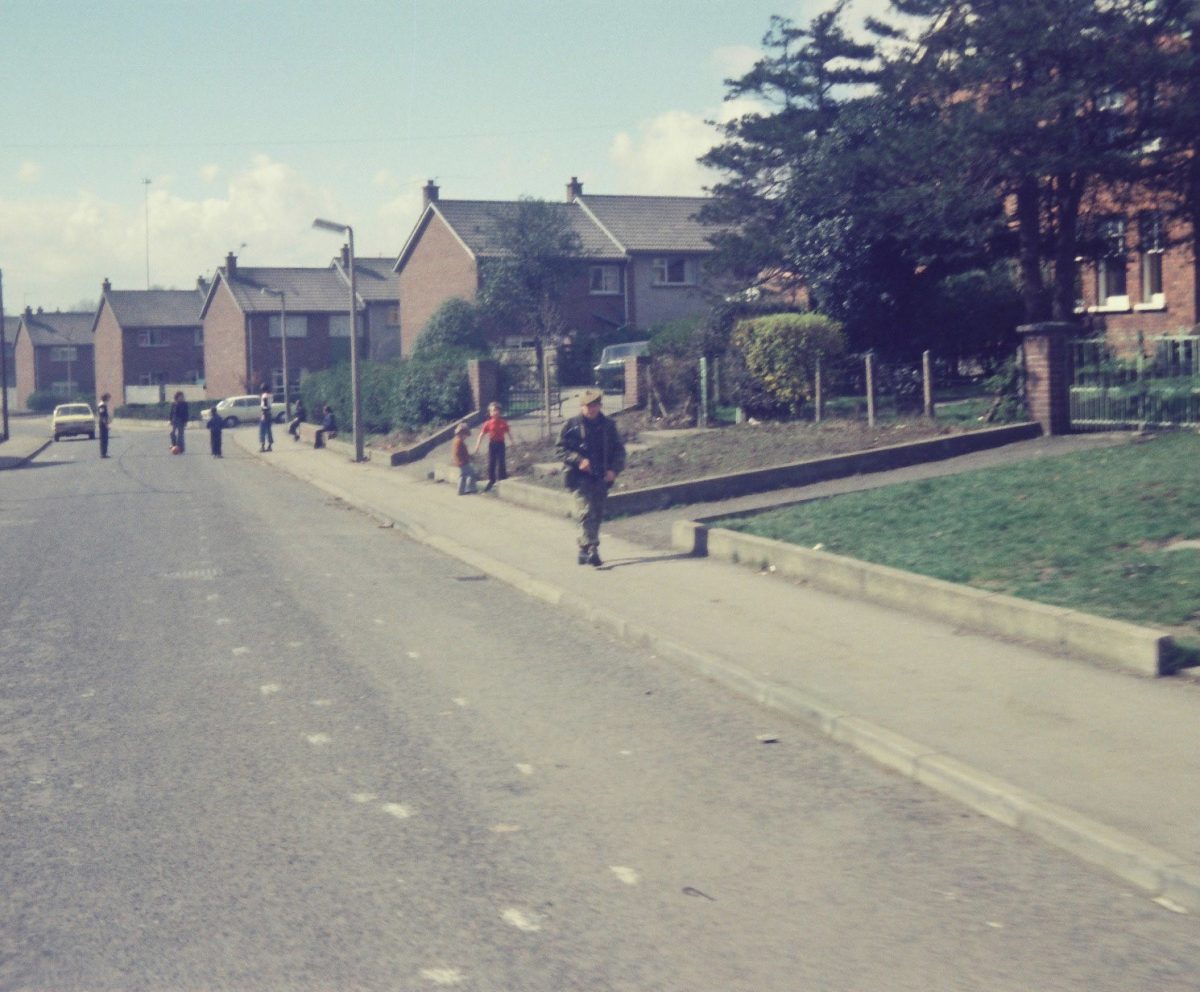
x: 346, y: 258
x: 574, y: 189
x: 106, y: 285
x: 430, y: 192
x: 231, y: 266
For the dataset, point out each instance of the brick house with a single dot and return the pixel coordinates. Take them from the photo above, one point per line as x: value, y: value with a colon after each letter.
x: 53, y: 353
x: 379, y: 288
x: 241, y: 325
x: 641, y: 262
x: 148, y: 337
x: 1142, y: 280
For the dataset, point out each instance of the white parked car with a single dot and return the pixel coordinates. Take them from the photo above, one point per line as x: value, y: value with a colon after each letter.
x: 72, y: 418
x: 234, y: 410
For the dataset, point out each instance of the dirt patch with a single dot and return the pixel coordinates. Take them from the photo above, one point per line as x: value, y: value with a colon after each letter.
x: 669, y: 457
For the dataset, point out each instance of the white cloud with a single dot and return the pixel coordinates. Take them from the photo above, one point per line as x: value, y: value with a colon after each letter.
x: 210, y: 173
x: 661, y: 158
x: 29, y: 172
x: 734, y: 61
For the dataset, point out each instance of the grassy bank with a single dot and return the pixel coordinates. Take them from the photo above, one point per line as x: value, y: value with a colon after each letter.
x: 1093, y: 531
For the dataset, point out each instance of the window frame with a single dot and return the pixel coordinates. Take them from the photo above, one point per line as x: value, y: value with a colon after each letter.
x: 661, y: 266
x: 604, y: 286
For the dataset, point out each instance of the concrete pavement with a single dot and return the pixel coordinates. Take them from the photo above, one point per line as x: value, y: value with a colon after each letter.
x: 1098, y: 762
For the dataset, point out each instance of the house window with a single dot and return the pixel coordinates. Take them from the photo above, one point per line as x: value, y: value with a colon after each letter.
x: 1151, y: 247
x: 295, y: 376
x: 64, y: 353
x: 675, y: 270
x: 339, y: 325
x: 152, y: 337
x: 297, y: 325
x: 152, y: 378
x: 66, y: 389
x: 1111, y: 290
x: 604, y: 280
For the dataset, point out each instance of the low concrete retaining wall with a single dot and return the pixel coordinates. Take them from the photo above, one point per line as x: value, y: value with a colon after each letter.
x: 717, y: 487
x: 1112, y: 642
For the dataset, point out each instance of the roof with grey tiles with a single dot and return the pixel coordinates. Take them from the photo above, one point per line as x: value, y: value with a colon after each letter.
x: 374, y: 279
x: 478, y: 223
x: 306, y: 290
x: 651, y: 223
x: 155, y: 307
x: 50, y: 329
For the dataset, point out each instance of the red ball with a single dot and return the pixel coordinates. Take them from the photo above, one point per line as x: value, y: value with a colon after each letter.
x: 176, y: 450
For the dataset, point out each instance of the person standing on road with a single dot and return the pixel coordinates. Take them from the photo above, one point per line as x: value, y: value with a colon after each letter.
x: 590, y: 448
x: 496, y: 430
x: 294, y: 426
x: 102, y: 421
x: 462, y: 458
x: 215, y: 426
x: 266, y: 439
x: 179, y: 419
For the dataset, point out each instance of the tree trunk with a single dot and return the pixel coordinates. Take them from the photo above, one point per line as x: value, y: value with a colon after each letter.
x: 1067, y: 195
x: 1029, y: 218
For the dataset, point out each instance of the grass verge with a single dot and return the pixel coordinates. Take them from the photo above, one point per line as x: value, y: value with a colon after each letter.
x: 1096, y: 531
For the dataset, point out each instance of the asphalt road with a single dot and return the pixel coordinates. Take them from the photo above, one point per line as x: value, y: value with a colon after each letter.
x: 249, y: 739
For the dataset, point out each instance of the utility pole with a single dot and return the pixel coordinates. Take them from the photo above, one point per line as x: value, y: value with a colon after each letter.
x: 146, y: 184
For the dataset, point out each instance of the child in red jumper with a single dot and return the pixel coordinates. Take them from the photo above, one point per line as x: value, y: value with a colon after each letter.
x: 496, y: 429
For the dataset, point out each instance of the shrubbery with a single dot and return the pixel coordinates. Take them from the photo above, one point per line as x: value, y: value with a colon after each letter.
x: 781, y: 352
x: 44, y: 401
x: 406, y: 395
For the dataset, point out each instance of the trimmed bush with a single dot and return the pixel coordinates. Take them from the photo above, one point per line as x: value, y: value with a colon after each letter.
x: 456, y: 324
x: 781, y: 352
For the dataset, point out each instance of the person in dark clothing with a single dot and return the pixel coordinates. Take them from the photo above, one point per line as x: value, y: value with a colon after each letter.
x: 103, y: 419
x: 328, y: 428
x: 179, y: 419
x: 590, y: 448
x: 297, y: 420
x: 215, y: 426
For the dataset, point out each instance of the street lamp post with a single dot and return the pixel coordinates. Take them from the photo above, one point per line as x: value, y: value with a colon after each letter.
x: 355, y: 393
x: 287, y: 395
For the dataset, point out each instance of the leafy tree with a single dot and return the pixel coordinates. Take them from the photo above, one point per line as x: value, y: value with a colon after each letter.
x: 1058, y: 102
x: 538, y: 254
x: 764, y: 154
x: 455, y: 324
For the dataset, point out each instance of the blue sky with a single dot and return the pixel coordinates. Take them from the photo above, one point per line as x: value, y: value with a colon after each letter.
x: 252, y: 118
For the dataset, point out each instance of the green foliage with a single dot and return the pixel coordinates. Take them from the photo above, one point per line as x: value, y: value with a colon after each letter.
x: 457, y: 323
x: 1008, y: 389
x: 972, y: 314
x: 538, y: 253
x: 44, y: 401
x: 782, y: 350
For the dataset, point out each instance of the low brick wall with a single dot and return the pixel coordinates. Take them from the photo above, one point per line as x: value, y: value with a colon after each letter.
x: 1113, y: 642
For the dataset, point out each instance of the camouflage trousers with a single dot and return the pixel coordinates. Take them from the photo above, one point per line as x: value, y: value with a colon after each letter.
x: 590, y: 498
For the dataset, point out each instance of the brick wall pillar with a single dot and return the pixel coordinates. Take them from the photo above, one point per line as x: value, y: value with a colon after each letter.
x: 637, y: 382
x: 484, y: 374
x: 1047, y: 352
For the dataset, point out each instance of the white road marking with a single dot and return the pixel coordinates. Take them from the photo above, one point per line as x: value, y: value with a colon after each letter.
x: 363, y: 797
x: 626, y: 875
x: 398, y: 810
x: 216, y: 595
x: 317, y: 740
x: 443, y: 976
x: 411, y: 654
x: 516, y: 918
x: 89, y: 693
x: 270, y: 688
x: 221, y: 621
x: 505, y: 828
x: 238, y: 652
x: 324, y: 702
x: 1171, y: 904
x: 458, y: 700
x: 525, y: 769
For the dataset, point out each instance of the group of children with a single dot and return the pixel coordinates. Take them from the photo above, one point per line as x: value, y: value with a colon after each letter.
x: 497, y: 431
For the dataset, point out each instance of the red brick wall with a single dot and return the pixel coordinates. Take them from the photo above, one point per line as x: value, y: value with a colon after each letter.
x: 109, y: 356
x: 224, y: 346
x: 437, y: 269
